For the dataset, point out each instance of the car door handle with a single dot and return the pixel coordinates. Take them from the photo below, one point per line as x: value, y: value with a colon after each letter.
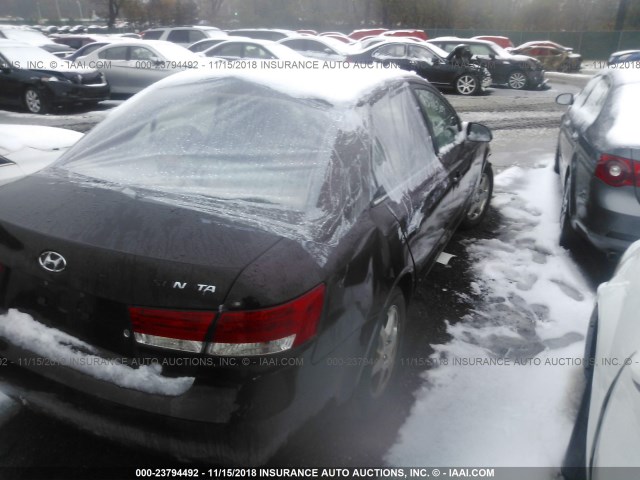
x: 575, y: 136
x: 456, y: 177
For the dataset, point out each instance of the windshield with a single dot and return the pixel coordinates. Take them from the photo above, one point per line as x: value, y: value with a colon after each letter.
x: 223, y: 139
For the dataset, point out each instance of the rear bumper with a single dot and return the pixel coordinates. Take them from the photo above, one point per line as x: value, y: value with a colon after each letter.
x: 611, y: 221
x: 235, y: 416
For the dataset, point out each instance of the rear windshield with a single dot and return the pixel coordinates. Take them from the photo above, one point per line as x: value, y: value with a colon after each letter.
x: 225, y: 139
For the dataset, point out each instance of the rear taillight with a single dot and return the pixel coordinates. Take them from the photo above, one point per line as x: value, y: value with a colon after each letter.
x: 618, y: 171
x: 270, y: 330
x: 175, y: 330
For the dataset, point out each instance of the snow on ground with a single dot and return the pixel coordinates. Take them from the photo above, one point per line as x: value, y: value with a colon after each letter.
x: 506, y: 388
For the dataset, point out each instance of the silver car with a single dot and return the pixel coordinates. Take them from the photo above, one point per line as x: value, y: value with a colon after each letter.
x: 134, y: 65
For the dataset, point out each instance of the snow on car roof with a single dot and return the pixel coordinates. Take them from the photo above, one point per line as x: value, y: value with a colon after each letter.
x: 332, y: 81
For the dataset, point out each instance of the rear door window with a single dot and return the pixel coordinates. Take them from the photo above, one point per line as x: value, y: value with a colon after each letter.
x: 403, y: 153
x: 114, y: 53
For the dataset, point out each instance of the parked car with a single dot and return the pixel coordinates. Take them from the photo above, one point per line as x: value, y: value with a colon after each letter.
x: 207, y: 43
x: 413, y: 33
x: 78, y: 41
x: 607, y: 429
x: 325, y: 48
x: 598, y: 159
x: 516, y: 71
x: 25, y: 149
x: 366, y: 32
x: 272, y: 34
x: 504, y: 42
x: 338, y: 36
x: 35, y: 38
x: 91, y: 47
x: 33, y: 78
x: 132, y: 65
x: 545, y: 43
x: 552, y: 58
x: 183, y: 36
x: 244, y: 232
x: 455, y: 70
x: 624, y: 57
x: 255, y: 49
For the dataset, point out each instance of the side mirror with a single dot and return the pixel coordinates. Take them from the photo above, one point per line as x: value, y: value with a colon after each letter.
x: 5, y: 68
x: 477, y: 132
x: 155, y: 60
x: 565, y: 99
x: 328, y: 50
x: 492, y: 56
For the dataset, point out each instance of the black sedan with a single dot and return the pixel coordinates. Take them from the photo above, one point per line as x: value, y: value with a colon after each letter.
x: 598, y: 159
x: 444, y: 70
x: 516, y: 71
x: 202, y: 271
x: 37, y: 80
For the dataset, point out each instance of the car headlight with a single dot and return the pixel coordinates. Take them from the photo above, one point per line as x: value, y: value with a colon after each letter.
x: 53, y: 78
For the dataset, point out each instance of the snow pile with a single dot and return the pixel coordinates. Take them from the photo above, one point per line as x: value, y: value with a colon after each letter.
x: 17, y: 137
x: 63, y: 349
x: 506, y: 388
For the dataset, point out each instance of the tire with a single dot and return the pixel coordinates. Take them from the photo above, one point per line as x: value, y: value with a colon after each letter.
x: 480, y: 201
x: 567, y: 234
x: 381, y: 371
x: 517, y: 80
x: 34, y: 101
x: 467, y: 85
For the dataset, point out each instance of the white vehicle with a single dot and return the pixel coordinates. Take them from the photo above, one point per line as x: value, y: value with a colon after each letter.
x: 25, y: 149
x: 184, y: 36
x: 607, y: 430
x: 324, y: 48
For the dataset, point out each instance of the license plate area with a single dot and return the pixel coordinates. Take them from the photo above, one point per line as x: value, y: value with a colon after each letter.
x: 97, y: 321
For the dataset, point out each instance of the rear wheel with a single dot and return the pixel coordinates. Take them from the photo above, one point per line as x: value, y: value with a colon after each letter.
x: 467, y: 85
x: 34, y: 101
x: 567, y: 234
x: 517, y: 80
x: 380, y: 372
x: 480, y: 200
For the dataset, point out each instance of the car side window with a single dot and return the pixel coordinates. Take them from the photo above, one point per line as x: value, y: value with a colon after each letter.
x: 153, y: 35
x: 444, y: 122
x: 390, y: 51
x: 179, y: 36
x: 420, y: 53
x: 140, y: 53
x: 403, y: 155
x: 480, y: 50
x: 256, y: 51
x: 299, y: 45
x: 232, y: 50
x: 196, y: 35
x: 114, y: 53
x: 592, y: 106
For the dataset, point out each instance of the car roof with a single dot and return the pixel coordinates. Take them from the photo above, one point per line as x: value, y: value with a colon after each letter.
x: 622, y: 77
x: 345, y: 87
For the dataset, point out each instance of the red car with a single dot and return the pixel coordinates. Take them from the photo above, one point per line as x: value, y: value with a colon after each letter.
x: 504, y: 42
x: 406, y: 33
x: 366, y: 32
